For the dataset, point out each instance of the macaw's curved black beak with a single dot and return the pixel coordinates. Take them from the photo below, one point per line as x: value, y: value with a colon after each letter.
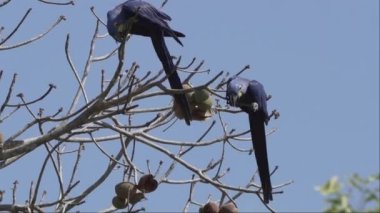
x: 233, y: 99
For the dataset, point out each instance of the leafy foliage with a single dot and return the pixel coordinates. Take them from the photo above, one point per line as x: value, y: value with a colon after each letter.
x: 356, y: 194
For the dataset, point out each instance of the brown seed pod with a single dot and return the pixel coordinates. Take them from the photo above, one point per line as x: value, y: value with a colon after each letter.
x: 210, y: 207
x: 147, y: 183
x: 136, y: 196
x: 129, y: 192
x: 119, y: 203
x: 124, y: 189
x: 228, y: 208
x: 199, y: 115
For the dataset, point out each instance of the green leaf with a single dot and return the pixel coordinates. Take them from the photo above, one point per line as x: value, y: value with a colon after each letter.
x: 330, y: 187
x: 339, y: 199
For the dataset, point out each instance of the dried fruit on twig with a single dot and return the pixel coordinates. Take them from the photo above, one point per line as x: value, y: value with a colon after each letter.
x: 228, y: 208
x: 147, y: 183
x: 124, y: 189
x: 119, y: 202
x: 210, y: 207
x: 136, y: 196
x: 129, y: 192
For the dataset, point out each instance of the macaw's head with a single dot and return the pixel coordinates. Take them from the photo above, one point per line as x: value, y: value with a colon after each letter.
x: 236, y: 88
x: 116, y: 25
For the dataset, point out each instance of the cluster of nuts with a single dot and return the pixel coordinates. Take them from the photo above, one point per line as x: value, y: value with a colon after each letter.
x: 200, y: 103
x: 129, y: 193
x: 212, y: 207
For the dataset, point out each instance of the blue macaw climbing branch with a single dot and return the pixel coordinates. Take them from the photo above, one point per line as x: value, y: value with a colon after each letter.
x: 149, y: 21
x: 251, y: 98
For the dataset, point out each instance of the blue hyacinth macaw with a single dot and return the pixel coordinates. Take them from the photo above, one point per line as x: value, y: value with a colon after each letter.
x: 148, y: 21
x: 252, y: 99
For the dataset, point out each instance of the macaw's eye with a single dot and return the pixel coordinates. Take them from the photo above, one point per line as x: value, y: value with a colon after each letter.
x: 240, y: 86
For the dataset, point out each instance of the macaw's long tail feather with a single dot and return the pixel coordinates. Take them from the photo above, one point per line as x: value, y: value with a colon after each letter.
x: 170, y: 70
x: 256, y: 122
x: 176, y: 33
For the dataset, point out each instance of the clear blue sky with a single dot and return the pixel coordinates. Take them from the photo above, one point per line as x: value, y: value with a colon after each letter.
x: 318, y: 59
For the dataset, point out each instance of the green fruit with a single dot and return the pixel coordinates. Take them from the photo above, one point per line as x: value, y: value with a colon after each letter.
x: 205, y: 105
x: 200, y: 95
x: 119, y: 203
x: 201, y: 100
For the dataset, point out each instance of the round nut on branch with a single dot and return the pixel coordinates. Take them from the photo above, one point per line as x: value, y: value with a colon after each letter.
x: 119, y: 203
x: 201, y: 95
x: 228, y: 208
x: 129, y: 192
x: 202, y: 98
x: 199, y: 115
x: 124, y: 189
x: 136, y: 196
x: 147, y: 183
x: 177, y: 107
x: 210, y: 207
x: 200, y: 102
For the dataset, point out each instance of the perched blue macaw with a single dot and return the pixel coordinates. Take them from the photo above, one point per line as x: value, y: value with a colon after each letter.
x: 252, y: 99
x: 149, y: 21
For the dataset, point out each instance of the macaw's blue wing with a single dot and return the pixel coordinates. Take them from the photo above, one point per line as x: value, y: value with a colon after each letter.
x: 250, y: 96
x: 256, y: 93
x: 257, y: 119
x: 149, y: 21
